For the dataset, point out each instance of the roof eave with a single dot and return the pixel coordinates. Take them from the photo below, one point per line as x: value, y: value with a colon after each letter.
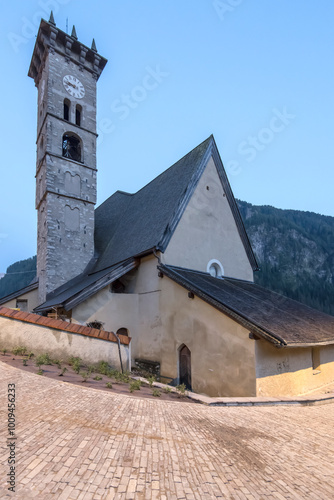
x: 252, y: 327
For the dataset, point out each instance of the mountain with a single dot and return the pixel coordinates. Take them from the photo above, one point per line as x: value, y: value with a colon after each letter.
x: 18, y: 275
x: 295, y: 252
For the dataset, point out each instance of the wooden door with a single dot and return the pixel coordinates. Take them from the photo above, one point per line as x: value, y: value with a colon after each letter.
x: 185, y: 367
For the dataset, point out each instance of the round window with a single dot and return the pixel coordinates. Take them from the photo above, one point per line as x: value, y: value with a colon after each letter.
x: 215, y: 268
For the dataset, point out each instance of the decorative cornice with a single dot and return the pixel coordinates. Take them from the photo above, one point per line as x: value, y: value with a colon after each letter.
x: 52, y: 39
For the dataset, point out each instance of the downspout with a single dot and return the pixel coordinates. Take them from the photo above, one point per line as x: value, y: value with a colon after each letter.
x: 119, y: 350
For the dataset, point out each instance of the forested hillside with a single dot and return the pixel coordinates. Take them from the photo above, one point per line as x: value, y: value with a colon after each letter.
x: 18, y: 276
x: 295, y: 251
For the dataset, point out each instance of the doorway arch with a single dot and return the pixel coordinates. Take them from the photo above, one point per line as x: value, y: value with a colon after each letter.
x: 185, y: 366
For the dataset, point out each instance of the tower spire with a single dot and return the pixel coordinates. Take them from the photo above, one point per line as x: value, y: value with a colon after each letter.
x: 74, y: 33
x: 93, y: 47
x: 52, y: 19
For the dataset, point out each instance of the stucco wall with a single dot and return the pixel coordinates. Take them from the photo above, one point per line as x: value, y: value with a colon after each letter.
x: 222, y: 355
x: 31, y: 297
x: 137, y: 309
x: 61, y: 344
x: 160, y: 318
x: 113, y: 310
x: 288, y: 371
x: 207, y: 231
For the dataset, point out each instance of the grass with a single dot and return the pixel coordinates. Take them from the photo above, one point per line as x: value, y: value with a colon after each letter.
x: 156, y: 393
x: 98, y: 377
x: 61, y: 374
x: 40, y: 372
x: 167, y: 390
x: 109, y: 385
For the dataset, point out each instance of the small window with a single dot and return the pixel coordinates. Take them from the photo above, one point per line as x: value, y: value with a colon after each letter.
x: 78, y: 111
x: 22, y: 304
x: 215, y: 268
x: 71, y: 147
x: 67, y: 105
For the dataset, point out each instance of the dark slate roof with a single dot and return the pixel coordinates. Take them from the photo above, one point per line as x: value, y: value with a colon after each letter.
x: 83, y: 286
x: 128, y: 225
x: 132, y: 225
x: 18, y: 293
x: 278, y: 319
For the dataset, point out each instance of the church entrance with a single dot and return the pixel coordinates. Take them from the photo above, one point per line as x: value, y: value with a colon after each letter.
x: 185, y: 366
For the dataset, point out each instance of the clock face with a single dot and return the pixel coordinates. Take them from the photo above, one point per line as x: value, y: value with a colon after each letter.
x: 73, y: 86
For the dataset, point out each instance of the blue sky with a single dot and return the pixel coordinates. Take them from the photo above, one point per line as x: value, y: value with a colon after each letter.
x: 257, y: 74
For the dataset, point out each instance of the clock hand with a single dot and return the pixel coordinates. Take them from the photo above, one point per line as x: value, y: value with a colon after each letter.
x: 72, y: 84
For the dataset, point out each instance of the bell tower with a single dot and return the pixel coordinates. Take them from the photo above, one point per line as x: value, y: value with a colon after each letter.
x: 65, y: 73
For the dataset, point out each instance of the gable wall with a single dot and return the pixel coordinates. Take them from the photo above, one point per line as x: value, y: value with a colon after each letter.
x: 137, y: 309
x: 207, y: 230
x: 31, y: 297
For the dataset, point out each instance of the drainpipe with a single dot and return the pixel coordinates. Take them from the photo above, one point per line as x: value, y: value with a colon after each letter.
x: 119, y: 350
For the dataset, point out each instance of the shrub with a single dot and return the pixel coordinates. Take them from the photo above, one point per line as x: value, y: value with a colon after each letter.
x: 98, y: 377
x: 76, y: 364
x: 40, y: 372
x: 103, y: 368
x: 4, y: 351
x: 19, y: 350
x: 135, y: 385
x: 151, y: 380
x: 31, y: 355
x: 61, y: 374
x: 181, y: 389
x: 109, y: 385
x: 43, y: 359
x: 167, y: 390
x: 156, y: 393
x: 85, y: 376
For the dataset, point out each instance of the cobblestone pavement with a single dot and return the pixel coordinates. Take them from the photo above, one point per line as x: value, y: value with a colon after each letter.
x: 77, y: 443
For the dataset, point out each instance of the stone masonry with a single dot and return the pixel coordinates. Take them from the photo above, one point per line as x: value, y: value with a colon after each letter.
x: 65, y: 187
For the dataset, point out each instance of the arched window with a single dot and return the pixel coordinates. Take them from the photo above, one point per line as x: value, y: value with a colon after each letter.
x: 185, y: 366
x: 215, y: 268
x: 78, y: 112
x: 71, y: 146
x: 67, y: 106
x: 123, y: 331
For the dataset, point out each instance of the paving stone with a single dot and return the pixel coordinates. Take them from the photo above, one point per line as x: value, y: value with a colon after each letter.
x: 83, y: 444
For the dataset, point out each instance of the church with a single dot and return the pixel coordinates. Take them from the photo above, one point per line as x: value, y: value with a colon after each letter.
x: 171, y: 266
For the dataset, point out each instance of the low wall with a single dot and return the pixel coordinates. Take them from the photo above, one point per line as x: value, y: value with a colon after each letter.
x: 63, y: 344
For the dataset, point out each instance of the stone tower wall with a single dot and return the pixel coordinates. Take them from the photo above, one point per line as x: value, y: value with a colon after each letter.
x: 65, y: 188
